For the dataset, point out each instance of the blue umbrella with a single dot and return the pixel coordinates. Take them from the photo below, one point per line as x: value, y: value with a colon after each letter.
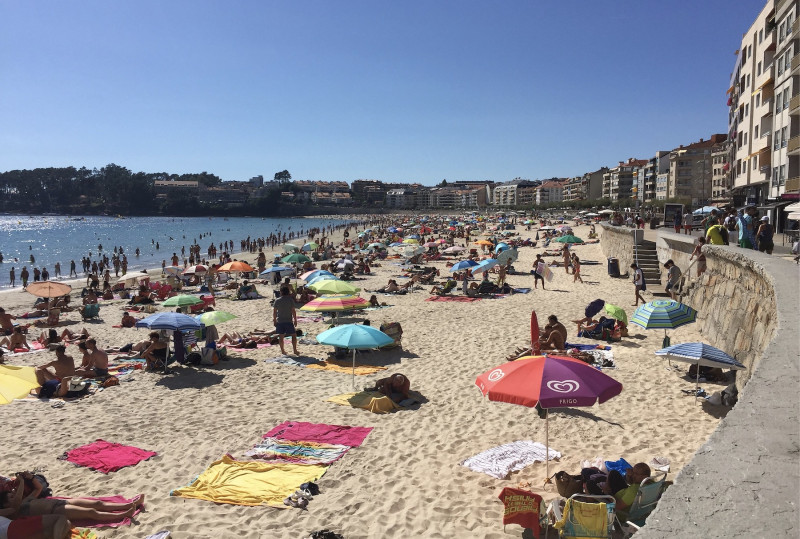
x: 317, y: 273
x: 702, y: 355
x: 464, y: 264
x: 354, y: 337
x: 663, y: 314
x: 484, y: 265
x: 277, y: 269
x: 397, y: 244
x: 171, y: 321
x: 320, y: 277
x: 502, y: 246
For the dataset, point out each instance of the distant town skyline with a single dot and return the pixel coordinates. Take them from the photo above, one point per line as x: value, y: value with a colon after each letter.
x: 401, y: 93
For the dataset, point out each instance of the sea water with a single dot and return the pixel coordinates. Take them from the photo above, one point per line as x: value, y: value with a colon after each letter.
x: 57, y: 238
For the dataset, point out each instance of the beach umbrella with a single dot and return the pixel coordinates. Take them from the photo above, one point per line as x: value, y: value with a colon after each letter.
x: 333, y: 286
x: 182, y: 300
x: 290, y: 248
x: 48, y: 289
x: 464, y: 264
x: 171, y: 321
x: 172, y: 270
x: 663, y: 314
x: 548, y: 382
x: 700, y: 354
x: 236, y: 265
x: 314, y: 273
x: 354, y: 337
x: 376, y: 245
x: 212, y: 318
x: 335, y: 303
x: 484, y: 242
x: 502, y: 246
x: 454, y: 250
x: 484, y: 265
x: 617, y: 313
x: 310, y: 246
x: 548, y: 227
x: 16, y: 382
x: 133, y: 277
x: 410, y: 241
x: 199, y: 268
x: 278, y: 269
x: 318, y: 278
x: 508, y: 255
x: 295, y: 258
x: 430, y: 244
x: 592, y: 214
x: 569, y: 238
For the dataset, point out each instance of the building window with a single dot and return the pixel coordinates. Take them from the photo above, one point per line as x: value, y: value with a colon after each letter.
x: 786, y: 98
x: 758, y: 100
x: 746, y: 109
x: 781, y: 31
x: 780, y: 65
x: 782, y: 175
x: 756, y: 133
x: 784, y: 139
x: 760, y: 35
x: 755, y: 162
x: 747, y: 82
x: 758, y: 69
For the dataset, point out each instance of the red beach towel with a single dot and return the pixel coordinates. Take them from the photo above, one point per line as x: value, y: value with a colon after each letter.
x: 107, y: 457
x: 297, y: 431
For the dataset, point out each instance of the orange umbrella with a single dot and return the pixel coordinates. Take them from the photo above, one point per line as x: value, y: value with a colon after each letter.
x: 237, y: 265
x: 48, y: 289
x: 484, y: 242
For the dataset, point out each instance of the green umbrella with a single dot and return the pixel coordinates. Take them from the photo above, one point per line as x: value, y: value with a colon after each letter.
x: 569, y: 239
x: 295, y: 258
x: 287, y: 247
x: 212, y: 318
x: 617, y: 313
x: 333, y: 286
x: 182, y: 300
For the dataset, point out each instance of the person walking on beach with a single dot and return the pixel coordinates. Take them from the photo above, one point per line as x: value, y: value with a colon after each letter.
x: 576, y: 268
x: 24, y: 276
x: 638, y: 283
x: 567, y: 259
x: 12, y: 276
x: 538, y: 271
x: 284, y: 317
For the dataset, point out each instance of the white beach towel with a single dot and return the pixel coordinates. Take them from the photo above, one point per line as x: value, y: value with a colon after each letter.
x: 502, y: 460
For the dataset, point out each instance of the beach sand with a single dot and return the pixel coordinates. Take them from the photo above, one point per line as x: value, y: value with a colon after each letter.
x: 406, y: 479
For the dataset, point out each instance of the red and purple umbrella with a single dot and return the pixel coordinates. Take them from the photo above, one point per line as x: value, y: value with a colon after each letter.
x: 549, y: 382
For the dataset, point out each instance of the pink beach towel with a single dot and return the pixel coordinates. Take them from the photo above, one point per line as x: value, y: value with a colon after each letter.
x: 115, y: 524
x: 107, y: 457
x: 298, y: 431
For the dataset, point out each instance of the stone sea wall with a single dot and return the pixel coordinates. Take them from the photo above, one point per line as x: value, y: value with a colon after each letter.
x: 744, y: 480
x: 618, y: 242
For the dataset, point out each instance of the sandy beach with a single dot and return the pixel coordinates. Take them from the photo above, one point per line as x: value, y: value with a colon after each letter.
x: 406, y: 479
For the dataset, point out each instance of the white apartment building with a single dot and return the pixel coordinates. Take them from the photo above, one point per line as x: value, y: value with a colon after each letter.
x: 784, y: 181
x: 549, y: 192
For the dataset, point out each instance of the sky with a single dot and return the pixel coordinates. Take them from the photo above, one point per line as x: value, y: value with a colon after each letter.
x: 412, y: 91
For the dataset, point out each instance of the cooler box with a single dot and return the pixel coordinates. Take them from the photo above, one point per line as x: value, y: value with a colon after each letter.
x: 613, y: 267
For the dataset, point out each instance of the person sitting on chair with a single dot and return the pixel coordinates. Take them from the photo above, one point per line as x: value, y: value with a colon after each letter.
x: 247, y: 291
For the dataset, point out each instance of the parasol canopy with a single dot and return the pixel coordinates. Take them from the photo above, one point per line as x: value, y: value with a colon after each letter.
x: 48, y: 289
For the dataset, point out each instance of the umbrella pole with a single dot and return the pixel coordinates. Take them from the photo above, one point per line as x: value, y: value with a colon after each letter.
x: 697, y: 381
x: 354, y: 369
x: 547, y: 444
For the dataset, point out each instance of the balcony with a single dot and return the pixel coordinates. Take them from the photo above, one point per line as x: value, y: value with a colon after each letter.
x: 792, y: 185
x: 794, y: 104
x: 794, y: 145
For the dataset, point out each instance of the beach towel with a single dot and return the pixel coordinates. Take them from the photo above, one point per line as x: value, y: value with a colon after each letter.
x: 293, y: 361
x: 373, y: 401
x: 521, y: 290
x: 123, y: 521
x: 320, y: 432
x: 453, y: 298
x: 249, y: 482
x: 107, y: 457
x: 297, y: 452
x: 75, y: 533
x: 567, y: 346
x: 309, y: 319
x: 336, y: 365
x: 502, y: 460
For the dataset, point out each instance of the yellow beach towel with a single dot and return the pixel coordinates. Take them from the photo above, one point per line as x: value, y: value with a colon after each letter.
x: 250, y: 483
x: 373, y: 401
x: 344, y: 366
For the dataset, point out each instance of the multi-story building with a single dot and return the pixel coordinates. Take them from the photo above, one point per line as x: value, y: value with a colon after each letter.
x: 648, y: 180
x: 505, y: 194
x: 753, y: 103
x: 549, y: 192
x: 618, y: 182
x: 784, y: 181
x: 400, y: 198
x: 720, y: 177
x: 691, y: 169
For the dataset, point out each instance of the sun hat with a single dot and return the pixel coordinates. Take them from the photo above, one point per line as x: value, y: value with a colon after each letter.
x: 765, y: 218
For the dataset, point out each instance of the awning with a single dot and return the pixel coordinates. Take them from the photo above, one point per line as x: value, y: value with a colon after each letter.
x: 730, y: 89
x: 769, y: 80
x: 792, y: 207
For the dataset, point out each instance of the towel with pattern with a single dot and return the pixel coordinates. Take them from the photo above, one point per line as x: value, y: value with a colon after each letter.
x: 320, y: 432
x: 106, y: 456
x: 502, y: 460
x: 250, y: 482
x: 297, y: 452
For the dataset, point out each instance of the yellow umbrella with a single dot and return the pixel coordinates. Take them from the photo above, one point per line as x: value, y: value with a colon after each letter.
x: 16, y: 382
x: 333, y: 286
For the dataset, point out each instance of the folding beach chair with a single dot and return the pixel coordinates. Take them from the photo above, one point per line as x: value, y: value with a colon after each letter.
x: 584, y: 516
x: 645, y: 501
x: 89, y: 311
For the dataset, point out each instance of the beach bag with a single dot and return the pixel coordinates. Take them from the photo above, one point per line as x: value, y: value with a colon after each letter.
x: 567, y: 484
x: 110, y: 381
x: 194, y: 358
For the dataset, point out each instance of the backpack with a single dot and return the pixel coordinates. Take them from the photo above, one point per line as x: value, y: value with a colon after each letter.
x: 724, y: 233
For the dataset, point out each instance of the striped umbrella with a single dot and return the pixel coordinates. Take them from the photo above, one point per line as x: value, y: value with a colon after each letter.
x: 663, y: 314
x: 700, y: 354
x: 314, y: 273
x: 333, y: 286
x: 334, y: 303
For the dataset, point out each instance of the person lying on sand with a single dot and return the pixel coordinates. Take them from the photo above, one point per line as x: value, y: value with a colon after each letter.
x: 15, y: 341
x: 132, y: 349
x: 127, y: 321
x: 396, y: 387
x: 390, y: 287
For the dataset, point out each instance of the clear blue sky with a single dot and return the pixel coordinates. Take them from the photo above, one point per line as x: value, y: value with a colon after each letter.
x: 345, y: 90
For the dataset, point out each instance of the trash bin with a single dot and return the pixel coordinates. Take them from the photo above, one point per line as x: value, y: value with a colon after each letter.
x: 613, y: 267
x: 654, y: 222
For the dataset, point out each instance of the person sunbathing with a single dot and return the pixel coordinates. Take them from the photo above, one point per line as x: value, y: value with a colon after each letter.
x: 68, y: 388
x: 127, y: 321
x: 132, y: 349
x: 63, y: 366
x: 396, y: 387
x: 554, y: 334
x: 156, y: 352
x: 373, y: 302
x: 16, y: 340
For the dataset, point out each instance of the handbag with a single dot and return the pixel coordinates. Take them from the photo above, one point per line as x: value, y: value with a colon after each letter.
x: 567, y: 484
